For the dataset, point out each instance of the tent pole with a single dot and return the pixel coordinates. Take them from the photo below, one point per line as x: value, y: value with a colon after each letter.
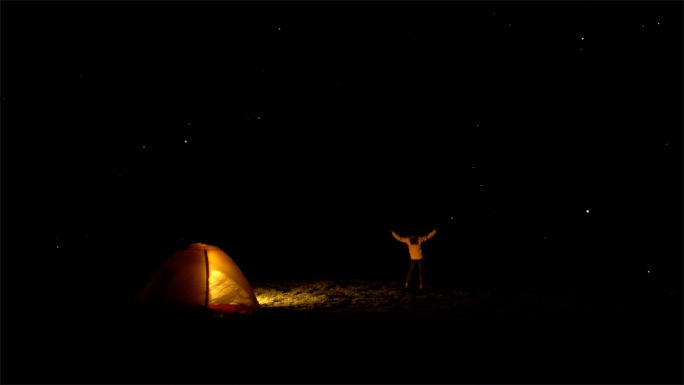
x: 206, y: 291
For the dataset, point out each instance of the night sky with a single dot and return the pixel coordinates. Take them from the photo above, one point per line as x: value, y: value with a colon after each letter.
x: 544, y: 139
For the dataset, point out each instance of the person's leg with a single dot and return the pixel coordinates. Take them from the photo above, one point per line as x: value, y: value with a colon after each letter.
x: 420, y: 273
x: 410, y: 271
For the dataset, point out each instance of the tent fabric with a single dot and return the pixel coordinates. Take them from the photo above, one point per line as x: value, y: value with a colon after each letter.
x: 200, y: 275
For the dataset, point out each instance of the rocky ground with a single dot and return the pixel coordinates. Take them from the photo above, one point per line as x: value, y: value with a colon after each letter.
x: 358, y: 331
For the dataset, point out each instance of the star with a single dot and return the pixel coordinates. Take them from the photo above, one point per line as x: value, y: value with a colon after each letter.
x: 587, y: 211
x: 186, y: 141
x: 582, y: 38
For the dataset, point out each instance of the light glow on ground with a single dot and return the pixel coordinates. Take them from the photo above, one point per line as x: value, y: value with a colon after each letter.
x: 373, y: 296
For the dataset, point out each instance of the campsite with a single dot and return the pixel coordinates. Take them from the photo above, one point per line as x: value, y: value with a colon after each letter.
x: 354, y: 330
x: 228, y: 192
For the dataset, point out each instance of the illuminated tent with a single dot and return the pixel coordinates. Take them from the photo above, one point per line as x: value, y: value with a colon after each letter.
x: 200, y: 275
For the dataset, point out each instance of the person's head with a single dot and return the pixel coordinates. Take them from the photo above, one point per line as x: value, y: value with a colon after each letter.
x: 413, y: 239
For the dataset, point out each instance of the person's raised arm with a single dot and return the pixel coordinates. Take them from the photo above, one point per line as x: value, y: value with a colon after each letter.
x: 432, y: 234
x: 396, y: 236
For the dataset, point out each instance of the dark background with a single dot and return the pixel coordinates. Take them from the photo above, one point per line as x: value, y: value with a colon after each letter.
x: 315, y: 128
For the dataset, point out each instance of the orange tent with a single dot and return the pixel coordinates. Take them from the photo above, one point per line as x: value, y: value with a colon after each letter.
x: 200, y: 275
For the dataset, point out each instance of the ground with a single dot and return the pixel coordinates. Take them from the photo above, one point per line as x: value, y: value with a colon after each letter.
x: 366, y: 331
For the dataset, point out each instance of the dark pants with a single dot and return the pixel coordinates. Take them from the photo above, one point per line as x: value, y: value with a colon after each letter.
x: 412, y: 267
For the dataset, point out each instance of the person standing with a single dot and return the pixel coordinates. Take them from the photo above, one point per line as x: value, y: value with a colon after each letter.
x: 416, y: 253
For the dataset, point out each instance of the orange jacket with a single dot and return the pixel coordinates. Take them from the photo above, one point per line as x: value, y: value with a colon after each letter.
x: 415, y: 251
